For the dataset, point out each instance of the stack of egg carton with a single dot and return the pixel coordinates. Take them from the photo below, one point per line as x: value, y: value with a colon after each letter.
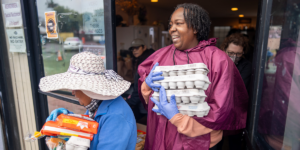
x: 187, y: 83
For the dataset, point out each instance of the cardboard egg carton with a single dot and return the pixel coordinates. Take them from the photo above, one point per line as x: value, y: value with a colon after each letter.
x: 199, y: 110
x: 186, y: 96
x: 199, y: 81
x: 181, y: 67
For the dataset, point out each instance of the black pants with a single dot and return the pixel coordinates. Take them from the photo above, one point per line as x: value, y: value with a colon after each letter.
x: 218, y: 146
x: 235, y: 142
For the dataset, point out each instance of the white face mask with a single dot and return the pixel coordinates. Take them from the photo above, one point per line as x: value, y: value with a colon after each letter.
x: 235, y: 59
x: 232, y: 58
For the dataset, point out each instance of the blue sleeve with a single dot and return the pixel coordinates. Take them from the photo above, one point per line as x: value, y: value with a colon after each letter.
x: 114, y: 134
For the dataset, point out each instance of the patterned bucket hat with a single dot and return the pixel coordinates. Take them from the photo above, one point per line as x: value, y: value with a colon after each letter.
x: 87, y: 73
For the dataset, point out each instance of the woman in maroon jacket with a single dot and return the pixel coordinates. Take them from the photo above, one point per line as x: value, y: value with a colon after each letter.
x: 226, y: 95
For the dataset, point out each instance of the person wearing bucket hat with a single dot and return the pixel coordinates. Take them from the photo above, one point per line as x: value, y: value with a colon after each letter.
x: 98, y: 90
x: 227, y: 96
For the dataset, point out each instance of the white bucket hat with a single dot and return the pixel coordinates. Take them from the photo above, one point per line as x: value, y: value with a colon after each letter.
x: 87, y: 73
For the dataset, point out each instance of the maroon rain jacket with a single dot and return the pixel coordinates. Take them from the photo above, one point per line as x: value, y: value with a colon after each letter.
x: 227, y: 97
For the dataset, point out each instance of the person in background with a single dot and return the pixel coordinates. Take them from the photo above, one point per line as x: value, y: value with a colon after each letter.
x: 250, y: 36
x: 236, y: 46
x: 125, y: 67
x: 140, y: 53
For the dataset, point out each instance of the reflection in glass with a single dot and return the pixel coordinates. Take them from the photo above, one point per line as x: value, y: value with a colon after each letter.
x: 279, y: 123
x: 80, y: 27
x: 54, y: 103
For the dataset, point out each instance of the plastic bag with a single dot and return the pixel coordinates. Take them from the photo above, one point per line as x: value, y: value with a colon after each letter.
x: 78, y: 122
x: 30, y: 137
x: 141, y: 135
x: 52, y: 128
x: 55, y: 143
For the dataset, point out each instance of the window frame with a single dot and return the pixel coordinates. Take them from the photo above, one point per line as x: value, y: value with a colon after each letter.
x: 35, y: 59
x: 253, y: 139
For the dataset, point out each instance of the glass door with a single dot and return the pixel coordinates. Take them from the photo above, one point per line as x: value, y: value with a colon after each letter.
x: 278, y: 123
x: 274, y: 118
x: 67, y: 28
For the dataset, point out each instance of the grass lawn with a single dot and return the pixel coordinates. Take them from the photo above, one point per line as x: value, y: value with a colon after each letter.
x: 51, y: 65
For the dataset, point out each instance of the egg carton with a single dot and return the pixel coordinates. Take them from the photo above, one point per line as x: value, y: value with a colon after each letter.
x: 199, y: 110
x: 186, y: 67
x: 184, y: 72
x: 199, y: 81
x: 184, y: 96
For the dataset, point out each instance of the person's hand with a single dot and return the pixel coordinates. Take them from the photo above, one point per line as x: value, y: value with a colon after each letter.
x: 57, y: 112
x: 165, y: 108
x: 156, y: 76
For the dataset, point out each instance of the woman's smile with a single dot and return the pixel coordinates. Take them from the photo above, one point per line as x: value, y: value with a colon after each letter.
x: 175, y: 38
x: 183, y: 37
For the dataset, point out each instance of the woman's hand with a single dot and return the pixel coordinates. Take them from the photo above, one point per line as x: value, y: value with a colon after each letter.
x: 57, y: 112
x: 156, y: 76
x: 165, y: 108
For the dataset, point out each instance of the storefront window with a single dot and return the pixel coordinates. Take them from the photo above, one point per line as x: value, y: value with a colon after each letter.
x: 279, y: 123
x: 67, y: 28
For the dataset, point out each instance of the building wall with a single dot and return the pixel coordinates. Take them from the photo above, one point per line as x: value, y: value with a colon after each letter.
x: 19, y: 69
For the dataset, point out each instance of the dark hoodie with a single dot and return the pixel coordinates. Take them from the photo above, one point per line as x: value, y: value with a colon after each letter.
x: 134, y: 100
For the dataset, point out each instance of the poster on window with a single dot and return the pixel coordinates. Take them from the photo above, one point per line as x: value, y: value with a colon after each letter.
x: 51, y: 26
x: 93, y: 21
x: 16, y: 40
x: 12, y: 14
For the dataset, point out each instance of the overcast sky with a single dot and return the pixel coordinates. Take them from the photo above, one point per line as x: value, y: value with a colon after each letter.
x: 80, y: 6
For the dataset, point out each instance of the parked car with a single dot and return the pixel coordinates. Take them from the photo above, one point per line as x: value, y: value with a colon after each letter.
x: 72, y: 43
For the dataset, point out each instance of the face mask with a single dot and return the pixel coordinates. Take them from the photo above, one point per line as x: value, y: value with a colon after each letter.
x: 235, y: 59
x: 232, y: 58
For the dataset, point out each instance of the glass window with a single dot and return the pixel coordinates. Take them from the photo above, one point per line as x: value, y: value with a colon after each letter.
x: 54, y: 103
x: 67, y: 28
x: 76, y: 26
x: 279, y: 123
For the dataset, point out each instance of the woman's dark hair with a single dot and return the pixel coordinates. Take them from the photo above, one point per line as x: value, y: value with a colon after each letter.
x: 197, y: 18
x: 237, y: 39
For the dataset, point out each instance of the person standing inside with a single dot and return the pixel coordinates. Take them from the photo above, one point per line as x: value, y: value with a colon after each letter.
x: 236, y: 46
x: 140, y: 53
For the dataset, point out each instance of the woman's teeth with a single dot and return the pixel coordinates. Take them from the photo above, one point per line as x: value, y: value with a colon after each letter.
x: 175, y: 38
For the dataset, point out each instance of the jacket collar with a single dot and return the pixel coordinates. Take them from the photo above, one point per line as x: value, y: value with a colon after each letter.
x: 103, y: 108
x: 201, y: 45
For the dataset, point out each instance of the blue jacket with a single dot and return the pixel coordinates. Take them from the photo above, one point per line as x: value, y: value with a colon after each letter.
x: 117, y: 126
